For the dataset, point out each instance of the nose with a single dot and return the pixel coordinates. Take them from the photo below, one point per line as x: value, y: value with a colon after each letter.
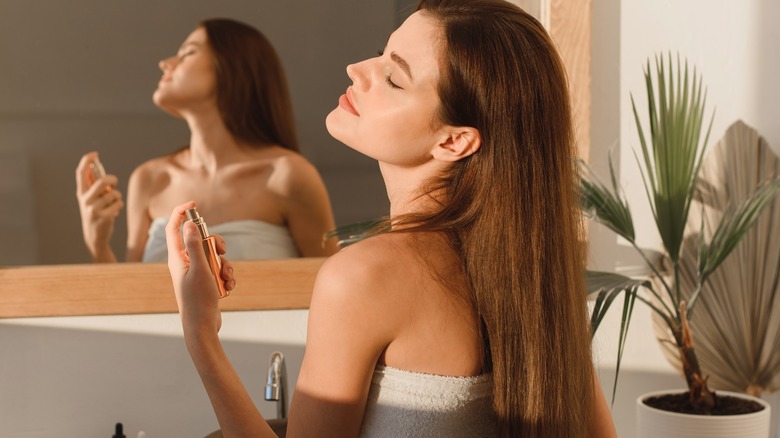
x: 360, y: 75
x: 167, y: 63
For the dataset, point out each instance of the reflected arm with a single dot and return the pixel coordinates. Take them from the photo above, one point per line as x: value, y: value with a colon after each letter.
x: 138, y: 220
x: 306, y: 208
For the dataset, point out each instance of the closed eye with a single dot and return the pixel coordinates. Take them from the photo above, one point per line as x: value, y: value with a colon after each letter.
x: 391, y: 83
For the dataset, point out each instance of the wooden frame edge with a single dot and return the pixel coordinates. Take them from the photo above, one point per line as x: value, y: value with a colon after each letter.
x: 136, y: 288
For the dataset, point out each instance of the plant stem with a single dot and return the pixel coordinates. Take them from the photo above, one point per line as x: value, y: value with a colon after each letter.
x: 702, y: 398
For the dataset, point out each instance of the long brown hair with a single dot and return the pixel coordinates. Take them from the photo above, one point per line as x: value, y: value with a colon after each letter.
x: 252, y: 93
x: 511, y: 211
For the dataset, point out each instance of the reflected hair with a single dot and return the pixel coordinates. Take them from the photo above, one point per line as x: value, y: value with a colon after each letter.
x: 253, y: 98
x: 511, y: 211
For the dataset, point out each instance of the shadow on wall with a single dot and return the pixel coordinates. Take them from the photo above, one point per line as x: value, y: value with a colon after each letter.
x: 73, y: 382
x: 766, y: 90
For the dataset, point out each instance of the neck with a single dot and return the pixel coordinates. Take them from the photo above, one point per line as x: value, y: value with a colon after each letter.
x: 407, y: 188
x: 211, y: 144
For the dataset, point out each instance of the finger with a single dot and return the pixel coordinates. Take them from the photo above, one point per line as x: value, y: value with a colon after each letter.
x: 107, y: 198
x: 100, y: 189
x: 110, y: 180
x: 221, y: 245
x: 113, y: 209
x: 193, y: 245
x: 98, y: 202
x: 177, y: 256
x: 105, y: 184
x: 83, y: 180
x: 227, y: 274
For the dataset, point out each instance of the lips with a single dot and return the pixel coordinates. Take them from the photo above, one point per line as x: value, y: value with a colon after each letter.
x: 346, y: 102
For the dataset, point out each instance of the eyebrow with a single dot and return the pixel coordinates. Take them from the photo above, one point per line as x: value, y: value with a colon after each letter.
x: 189, y: 43
x: 403, y: 64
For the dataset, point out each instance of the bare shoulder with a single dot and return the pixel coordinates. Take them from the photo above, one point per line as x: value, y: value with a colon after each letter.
x: 366, y: 259
x: 292, y: 174
x: 368, y: 269
x: 151, y: 173
x: 359, y: 284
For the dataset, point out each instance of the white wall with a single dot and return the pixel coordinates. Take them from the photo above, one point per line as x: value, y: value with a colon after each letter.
x: 732, y: 44
x: 78, y: 376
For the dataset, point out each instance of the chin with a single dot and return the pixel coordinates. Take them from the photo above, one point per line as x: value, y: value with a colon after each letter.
x: 160, y: 103
x: 332, y: 124
x: 344, y: 129
x: 157, y: 98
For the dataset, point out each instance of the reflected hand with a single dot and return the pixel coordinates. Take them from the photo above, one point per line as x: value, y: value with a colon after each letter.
x: 99, y: 205
x: 193, y: 283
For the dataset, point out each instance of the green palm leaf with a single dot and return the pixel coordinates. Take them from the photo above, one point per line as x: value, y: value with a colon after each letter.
x: 605, y: 287
x: 672, y: 155
x: 351, y: 233
x: 604, y: 205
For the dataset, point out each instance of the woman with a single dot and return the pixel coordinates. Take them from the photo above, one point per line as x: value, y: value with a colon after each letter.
x: 469, y: 317
x: 242, y: 164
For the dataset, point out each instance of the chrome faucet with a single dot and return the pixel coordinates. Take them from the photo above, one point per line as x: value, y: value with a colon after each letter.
x: 276, y: 385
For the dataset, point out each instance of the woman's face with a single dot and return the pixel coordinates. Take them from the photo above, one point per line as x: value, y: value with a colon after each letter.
x: 189, y: 80
x: 389, y: 112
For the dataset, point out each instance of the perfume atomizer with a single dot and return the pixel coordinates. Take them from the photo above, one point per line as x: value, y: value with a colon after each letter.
x: 210, y: 248
x: 96, y: 171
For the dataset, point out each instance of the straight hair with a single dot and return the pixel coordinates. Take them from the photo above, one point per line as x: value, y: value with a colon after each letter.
x: 511, y: 212
x: 253, y: 98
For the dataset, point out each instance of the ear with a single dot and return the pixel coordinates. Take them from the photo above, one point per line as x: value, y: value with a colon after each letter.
x: 456, y: 143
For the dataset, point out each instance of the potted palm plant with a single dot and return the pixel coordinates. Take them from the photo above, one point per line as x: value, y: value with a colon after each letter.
x: 672, y: 152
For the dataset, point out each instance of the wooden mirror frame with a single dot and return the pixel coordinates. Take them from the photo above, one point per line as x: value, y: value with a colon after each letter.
x: 134, y: 288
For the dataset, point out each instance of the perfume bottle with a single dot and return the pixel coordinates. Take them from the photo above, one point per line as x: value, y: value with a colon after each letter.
x: 97, y: 170
x: 210, y: 247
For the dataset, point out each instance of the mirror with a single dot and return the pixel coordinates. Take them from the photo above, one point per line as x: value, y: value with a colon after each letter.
x: 79, y: 76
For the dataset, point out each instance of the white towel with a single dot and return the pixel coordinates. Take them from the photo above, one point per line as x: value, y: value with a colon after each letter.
x: 245, y: 239
x: 408, y: 404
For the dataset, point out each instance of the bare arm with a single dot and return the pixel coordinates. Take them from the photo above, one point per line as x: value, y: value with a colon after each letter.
x: 99, y: 205
x: 306, y: 207
x: 344, y: 342
x: 601, y: 425
x: 347, y: 332
x: 138, y: 220
x: 196, y: 296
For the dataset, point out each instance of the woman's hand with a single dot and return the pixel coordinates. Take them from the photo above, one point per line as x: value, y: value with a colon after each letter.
x: 99, y: 204
x: 193, y: 282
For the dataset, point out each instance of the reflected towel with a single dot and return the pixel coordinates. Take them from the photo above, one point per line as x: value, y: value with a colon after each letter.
x: 245, y: 239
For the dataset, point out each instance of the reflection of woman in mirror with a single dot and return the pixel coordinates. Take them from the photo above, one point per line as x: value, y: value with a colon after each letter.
x: 469, y: 317
x: 242, y: 164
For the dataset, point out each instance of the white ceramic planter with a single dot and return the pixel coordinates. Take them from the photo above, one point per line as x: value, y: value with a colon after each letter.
x: 655, y: 423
